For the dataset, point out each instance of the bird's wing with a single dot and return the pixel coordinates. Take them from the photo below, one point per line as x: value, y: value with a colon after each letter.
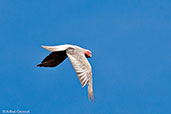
x: 82, y: 68
x: 53, y: 59
x: 57, y: 48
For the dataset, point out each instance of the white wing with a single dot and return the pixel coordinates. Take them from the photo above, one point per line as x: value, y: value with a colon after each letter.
x: 57, y: 48
x: 82, y: 68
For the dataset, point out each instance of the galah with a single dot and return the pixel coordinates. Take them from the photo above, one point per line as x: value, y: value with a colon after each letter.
x: 78, y: 57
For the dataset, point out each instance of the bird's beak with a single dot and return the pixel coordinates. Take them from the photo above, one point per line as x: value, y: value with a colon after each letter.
x: 88, y: 53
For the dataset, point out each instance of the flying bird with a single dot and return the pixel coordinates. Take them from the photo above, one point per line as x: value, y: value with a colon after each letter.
x: 78, y: 57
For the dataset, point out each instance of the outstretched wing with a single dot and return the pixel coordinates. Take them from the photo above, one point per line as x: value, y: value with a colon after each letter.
x: 53, y: 59
x: 57, y: 48
x: 82, y: 68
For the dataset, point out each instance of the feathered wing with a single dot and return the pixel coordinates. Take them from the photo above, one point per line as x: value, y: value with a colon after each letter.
x: 57, y: 48
x: 82, y: 68
x: 53, y: 59
x: 57, y: 56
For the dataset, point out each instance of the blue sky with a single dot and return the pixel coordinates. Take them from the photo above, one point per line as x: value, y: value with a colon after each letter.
x: 131, y: 45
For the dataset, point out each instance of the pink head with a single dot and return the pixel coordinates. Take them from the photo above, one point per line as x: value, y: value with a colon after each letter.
x: 87, y: 53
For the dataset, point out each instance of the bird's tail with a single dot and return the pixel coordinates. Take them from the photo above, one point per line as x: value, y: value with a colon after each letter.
x: 90, y: 92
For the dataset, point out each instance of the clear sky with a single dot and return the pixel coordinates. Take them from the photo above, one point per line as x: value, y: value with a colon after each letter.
x: 130, y: 42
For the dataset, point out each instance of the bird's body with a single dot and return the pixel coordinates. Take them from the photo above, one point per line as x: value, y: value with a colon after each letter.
x: 77, y: 56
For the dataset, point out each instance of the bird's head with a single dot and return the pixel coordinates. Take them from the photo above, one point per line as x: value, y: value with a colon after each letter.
x: 87, y: 53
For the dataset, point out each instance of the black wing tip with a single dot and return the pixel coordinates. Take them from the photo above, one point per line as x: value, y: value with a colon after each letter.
x: 39, y: 65
x: 45, y: 65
